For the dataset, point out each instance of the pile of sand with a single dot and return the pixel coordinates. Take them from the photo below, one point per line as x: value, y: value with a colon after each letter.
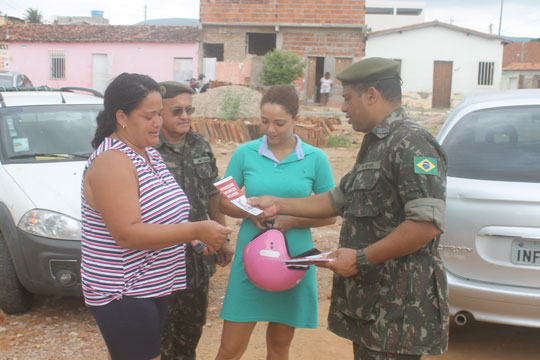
x: 227, y: 102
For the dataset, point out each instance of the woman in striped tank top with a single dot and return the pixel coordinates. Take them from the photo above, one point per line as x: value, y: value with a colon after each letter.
x: 134, y: 217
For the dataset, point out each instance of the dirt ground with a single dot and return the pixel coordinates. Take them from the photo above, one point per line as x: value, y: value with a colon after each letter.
x: 62, y: 328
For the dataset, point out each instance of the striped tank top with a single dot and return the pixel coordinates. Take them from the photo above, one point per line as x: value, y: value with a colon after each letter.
x: 110, y: 272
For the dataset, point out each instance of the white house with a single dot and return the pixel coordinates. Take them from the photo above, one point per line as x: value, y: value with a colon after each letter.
x: 441, y: 62
x: 382, y: 15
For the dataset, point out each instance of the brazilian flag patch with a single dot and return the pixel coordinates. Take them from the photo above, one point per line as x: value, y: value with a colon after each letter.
x: 425, y: 165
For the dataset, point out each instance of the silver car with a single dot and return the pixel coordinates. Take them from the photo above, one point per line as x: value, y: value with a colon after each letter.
x: 491, y: 245
x: 13, y: 79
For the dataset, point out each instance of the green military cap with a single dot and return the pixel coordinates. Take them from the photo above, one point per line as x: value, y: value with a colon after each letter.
x: 170, y: 89
x: 369, y: 69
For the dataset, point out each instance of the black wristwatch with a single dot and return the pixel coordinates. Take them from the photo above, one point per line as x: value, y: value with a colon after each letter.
x: 361, y: 261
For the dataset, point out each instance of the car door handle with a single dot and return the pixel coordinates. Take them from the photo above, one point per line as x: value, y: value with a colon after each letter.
x: 512, y: 232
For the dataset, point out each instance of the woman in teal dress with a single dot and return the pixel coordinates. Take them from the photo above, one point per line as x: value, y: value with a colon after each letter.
x: 278, y: 164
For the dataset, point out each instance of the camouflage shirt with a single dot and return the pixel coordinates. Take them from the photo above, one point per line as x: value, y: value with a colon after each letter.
x: 401, y: 305
x: 193, y: 165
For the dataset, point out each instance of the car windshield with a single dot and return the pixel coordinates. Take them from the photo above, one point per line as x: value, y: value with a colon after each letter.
x: 501, y: 144
x: 47, y: 133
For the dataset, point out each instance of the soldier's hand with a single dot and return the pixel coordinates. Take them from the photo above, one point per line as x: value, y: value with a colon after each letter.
x: 344, y: 263
x: 225, y: 254
x: 269, y: 205
x: 213, y: 234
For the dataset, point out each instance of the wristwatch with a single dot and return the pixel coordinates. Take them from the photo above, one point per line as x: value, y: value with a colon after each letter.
x: 361, y: 261
x: 228, y: 238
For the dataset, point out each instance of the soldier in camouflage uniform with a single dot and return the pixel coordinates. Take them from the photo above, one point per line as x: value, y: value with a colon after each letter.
x: 190, y: 159
x: 389, y: 294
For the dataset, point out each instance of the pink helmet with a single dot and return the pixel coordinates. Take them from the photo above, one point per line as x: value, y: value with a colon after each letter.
x: 264, y: 262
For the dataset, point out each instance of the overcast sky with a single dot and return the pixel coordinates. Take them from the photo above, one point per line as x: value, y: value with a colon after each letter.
x: 520, y: 17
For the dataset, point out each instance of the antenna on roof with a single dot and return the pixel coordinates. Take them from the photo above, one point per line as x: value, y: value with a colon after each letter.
x: 61, y: 95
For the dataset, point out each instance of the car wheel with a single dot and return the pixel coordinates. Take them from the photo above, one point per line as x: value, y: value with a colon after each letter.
x: 14, y: 298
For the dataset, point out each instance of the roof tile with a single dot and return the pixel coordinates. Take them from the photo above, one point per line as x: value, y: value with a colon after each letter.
x: 98, y: 33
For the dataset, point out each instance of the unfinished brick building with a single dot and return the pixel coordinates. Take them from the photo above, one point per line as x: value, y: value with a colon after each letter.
x: 235, y: 34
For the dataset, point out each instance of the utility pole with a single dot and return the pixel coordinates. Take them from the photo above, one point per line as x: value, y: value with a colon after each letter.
x: 146, y: 7
x: 500, y: 18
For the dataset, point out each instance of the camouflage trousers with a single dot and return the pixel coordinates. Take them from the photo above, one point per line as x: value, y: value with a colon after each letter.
x: 184, y: 323
x: 363, y: 353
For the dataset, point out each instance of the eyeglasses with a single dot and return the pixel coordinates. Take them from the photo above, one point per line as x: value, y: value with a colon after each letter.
x: 178, y: 111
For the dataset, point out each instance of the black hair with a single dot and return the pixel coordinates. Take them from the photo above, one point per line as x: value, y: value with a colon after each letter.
x: 125, y: 92
x: 284, y: 95
x: 390, y: 87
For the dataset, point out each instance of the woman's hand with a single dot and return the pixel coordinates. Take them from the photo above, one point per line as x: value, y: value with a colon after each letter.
x: 258, y: 222
x: 213, y: 234
x: 284, y: 223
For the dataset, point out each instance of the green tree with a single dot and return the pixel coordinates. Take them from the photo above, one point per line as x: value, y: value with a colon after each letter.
x: 33, y: 16
x: 281, y: 67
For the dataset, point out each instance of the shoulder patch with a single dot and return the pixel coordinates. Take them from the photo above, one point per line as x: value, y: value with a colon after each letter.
x: 201, y: 160
x: 425, y: 165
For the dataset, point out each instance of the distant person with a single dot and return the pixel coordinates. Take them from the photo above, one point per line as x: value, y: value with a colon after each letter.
x: 134, y: 222
x: 389, y: 295
x: 192, y: 163
x: 326, y: 86
x: 279, y: 163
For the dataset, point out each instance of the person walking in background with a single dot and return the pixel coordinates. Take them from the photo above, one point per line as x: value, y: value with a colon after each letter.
x: 279, y: 163
x: 189, y: 158
x: 134, y: 222
x: 389, y: 295
x: 326, y: 86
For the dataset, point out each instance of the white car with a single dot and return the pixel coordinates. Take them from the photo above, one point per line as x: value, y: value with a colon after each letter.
x: 44, y: 144
x: 491, y: 244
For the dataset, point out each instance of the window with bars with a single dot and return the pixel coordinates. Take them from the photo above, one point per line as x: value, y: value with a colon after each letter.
x: 57, y: 60
x: 485, y: 72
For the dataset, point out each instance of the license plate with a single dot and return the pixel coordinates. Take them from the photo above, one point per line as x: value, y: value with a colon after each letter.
x: 526, y: 252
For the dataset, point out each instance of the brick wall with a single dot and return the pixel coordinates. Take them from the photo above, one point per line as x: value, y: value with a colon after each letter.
x: 318, y: 42
x: 521, y: 52
x: 345, y: 12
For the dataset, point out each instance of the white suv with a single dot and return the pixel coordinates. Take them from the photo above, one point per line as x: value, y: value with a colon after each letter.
x: 45, y: 140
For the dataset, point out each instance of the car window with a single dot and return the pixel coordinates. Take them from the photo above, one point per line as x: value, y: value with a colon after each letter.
x: 500, y: 144
x: 19, y: 81
x: 6, y: 81
x: 53, y: 129
x: 26, y: 81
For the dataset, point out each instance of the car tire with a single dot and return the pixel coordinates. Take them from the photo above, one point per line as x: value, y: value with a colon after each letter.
x: 14, y: 298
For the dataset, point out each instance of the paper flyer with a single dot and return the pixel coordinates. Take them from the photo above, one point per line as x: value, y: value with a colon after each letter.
x: 228, y: 188
x: 309, y: 260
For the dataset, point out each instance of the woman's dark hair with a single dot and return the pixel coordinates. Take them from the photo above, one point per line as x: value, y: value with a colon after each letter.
x: 125, y: 93
x: 284, y: 95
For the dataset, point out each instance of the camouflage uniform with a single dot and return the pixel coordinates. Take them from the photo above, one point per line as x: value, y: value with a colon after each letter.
x: 399, y: 306
x: 193, y: 165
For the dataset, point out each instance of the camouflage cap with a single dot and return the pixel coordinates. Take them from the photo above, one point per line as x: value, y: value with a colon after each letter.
x: 369, y: 69
x: 170, y: 89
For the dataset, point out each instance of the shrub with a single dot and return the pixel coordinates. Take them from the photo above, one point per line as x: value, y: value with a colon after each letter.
x: 339, y: 141
x: 281, y: 67
x: 230, y: 105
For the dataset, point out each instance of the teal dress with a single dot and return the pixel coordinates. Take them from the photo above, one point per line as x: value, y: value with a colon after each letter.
x: 305, y: 171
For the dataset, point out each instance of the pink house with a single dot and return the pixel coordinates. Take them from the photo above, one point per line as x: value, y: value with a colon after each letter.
x: 91, y: 55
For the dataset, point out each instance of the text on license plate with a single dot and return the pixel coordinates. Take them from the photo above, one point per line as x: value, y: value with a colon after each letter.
x: 526, y: 252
